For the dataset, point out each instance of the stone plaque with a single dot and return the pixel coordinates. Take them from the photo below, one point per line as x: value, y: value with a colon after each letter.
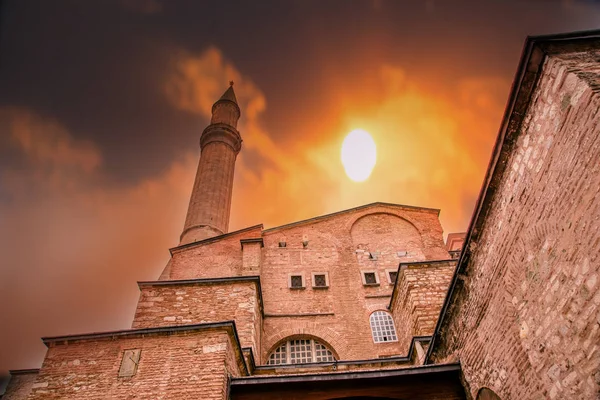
x: 129, y: 363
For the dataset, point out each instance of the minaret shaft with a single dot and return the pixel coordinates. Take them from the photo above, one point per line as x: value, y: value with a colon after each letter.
x: 210, y: 202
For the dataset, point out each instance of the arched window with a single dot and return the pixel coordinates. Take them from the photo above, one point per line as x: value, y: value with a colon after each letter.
x: 382, y: 327
x: 299, y: 351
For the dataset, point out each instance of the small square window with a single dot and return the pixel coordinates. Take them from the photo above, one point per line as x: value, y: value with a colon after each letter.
x: 296, y: 281
x: 392, y: 275
x: 320, y: 280
x: 370, y: 278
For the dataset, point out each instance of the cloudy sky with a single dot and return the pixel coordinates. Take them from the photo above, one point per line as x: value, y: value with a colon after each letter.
x: 102, y: 105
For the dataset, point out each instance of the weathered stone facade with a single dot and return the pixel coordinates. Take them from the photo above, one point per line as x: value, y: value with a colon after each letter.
x: 524, y: 320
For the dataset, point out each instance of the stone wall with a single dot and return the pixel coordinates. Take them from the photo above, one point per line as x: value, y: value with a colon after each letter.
x: 526, y: 320
x: 198, y: 302
x: 420, y: 294
x: 20, y: 384
x: 193, y: 365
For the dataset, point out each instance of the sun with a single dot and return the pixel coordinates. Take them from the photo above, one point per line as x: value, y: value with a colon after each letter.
x: 359, y: 155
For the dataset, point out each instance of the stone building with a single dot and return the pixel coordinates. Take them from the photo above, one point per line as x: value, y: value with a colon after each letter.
x: 369, y: 302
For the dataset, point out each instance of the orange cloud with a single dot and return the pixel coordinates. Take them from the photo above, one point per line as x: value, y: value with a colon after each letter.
x: 433, y: 146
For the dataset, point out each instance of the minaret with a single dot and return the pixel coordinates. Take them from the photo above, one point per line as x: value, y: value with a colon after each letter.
x: 220, y: 143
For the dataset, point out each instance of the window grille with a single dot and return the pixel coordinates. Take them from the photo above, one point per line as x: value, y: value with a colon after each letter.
x: 322, y: 353
x: 298, y: 351
x: 319, y: 280
x: 382, y: 327
x: 296, y: 281
x: 370, y: 278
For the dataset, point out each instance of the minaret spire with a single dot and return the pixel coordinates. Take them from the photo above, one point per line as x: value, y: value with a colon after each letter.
x: 220, y: 143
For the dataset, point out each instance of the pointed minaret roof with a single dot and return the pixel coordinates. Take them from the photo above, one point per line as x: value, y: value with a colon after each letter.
x: 229, y: 94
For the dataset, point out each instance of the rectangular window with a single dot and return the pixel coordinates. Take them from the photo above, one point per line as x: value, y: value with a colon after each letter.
x: 320, y: 280
x: 392, y: 275
x: 370, y: 278
x: 296, y: 281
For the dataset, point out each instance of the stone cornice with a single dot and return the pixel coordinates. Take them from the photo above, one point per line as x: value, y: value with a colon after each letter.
x: 252, y: 240
x: 221, y: 133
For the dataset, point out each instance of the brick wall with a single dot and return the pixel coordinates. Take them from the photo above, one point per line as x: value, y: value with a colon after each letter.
x: 202, y: 302
x: 178, y: 366
x: 420, y: 294
x: 526, y: 319
x: 211, y: 258
x: 340, y: 314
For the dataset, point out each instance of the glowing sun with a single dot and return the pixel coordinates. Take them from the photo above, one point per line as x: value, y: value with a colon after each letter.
x: 359, y: 155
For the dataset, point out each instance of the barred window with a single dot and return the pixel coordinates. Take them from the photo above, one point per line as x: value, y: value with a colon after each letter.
x: 296, y: 281
x: 370, y: 278
x: 300, y: 351
x: 320, y: 280
x: 382, y: 327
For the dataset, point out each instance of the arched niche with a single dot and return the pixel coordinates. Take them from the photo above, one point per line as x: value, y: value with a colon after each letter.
x: 386, y: 233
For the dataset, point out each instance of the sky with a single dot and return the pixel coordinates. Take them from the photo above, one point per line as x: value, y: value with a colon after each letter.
x: 102, y: 105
